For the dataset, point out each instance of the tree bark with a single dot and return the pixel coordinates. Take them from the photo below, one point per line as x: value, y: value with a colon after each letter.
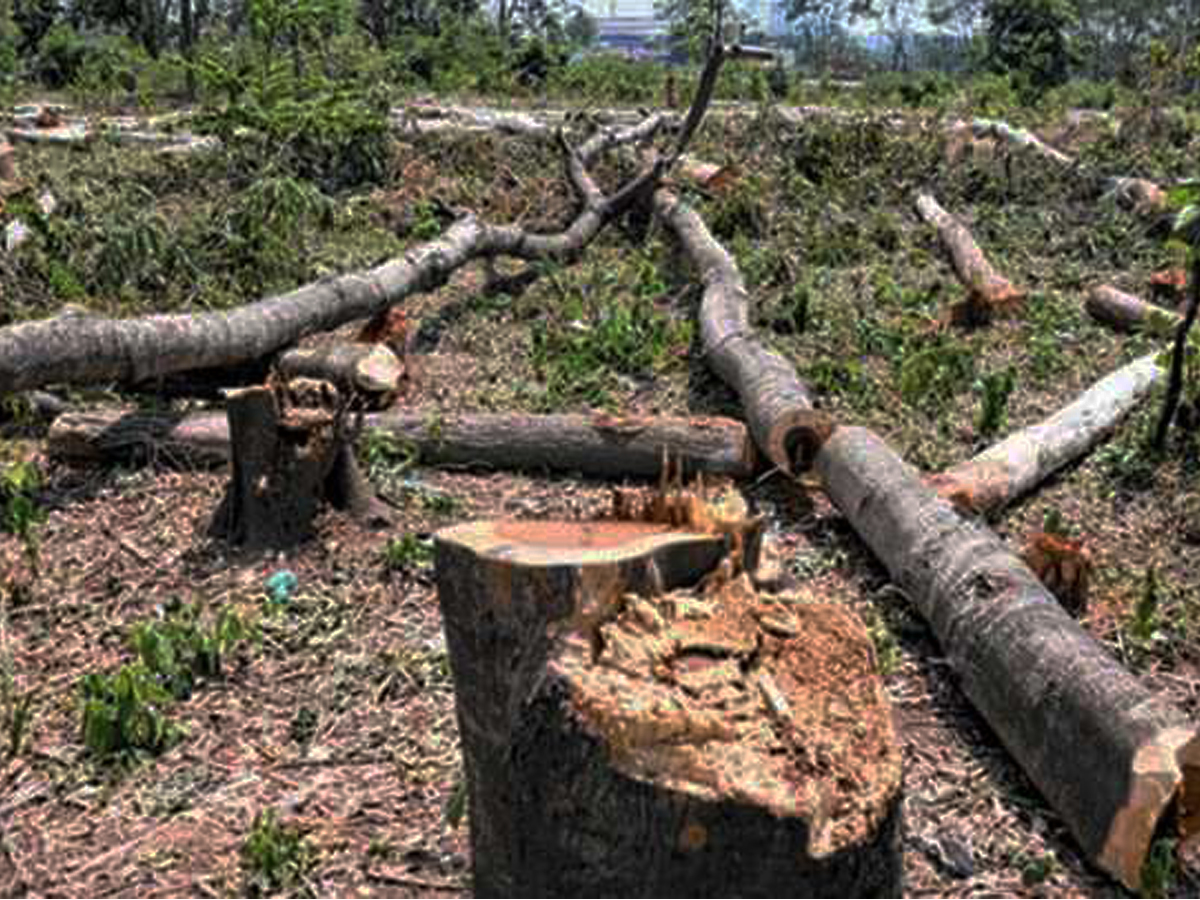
x: 619, y: 741
x: 369, y: 369
x: 290, y: 456
x: 1113, y: 759
x: 596, y: 446
x: 1127, y: 312
x: 1006, y: 470
x: 779, y: 407
x: 33, y: 354
x: 987, y: 291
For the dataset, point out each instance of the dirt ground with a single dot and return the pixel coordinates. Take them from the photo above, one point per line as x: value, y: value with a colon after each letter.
x: 342, y: 719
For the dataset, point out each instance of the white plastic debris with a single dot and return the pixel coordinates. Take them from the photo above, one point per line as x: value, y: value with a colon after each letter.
x: 15, y: 233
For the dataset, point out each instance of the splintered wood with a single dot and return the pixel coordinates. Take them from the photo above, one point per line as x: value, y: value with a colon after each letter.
x: 718, y: 693
x: 639, y: 719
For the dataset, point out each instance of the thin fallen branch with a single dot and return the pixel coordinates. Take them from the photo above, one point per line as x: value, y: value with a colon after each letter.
x: 779, y: 407
x: 987, y: 291
x: 1138, y: 194
x: 1020, y: 462
x: 1112, y: 759
x: 597, y: 446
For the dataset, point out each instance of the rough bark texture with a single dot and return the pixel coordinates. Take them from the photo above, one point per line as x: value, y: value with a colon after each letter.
x: 364, y: 368
x: 598, y: 446
x: 1111, y: 758
x: 617, y: 739
x: 1127, y: 312
x: 134, y: 350
x: 779, y: 406
x: 1020, y: 462
x: 290, y: 456
x: 988, y: 292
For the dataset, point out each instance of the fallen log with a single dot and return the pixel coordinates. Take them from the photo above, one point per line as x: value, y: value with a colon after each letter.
x: 597, y: 446
x: 624, y: 737
x: 1002, y: 131
x: 988, y: 292
x: 370, y: 369
x: 1014, y: 466
x: 1127, y: 312
x: 1114, y: 761
x: 779, y: 407
x: 91, y: 349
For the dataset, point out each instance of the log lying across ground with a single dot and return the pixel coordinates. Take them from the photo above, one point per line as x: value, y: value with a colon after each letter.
x: 1113, y: 760
x: 90, y: 349
x: 1138, y: 194
x: 597, y: 446
x: 988, y: 291
x: 778, y: 405
x: 625, y: 736
x: 1127, y: 312
x: 1020, y: 462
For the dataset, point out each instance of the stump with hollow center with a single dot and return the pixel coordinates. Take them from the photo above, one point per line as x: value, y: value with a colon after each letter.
x: 625, y: 734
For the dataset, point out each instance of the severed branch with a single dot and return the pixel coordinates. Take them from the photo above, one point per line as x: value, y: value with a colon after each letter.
x: 779, y: 406
x: 988, y: 292
x: 91, y: 349
x: 1020, y: 462
x: 1127, y: 312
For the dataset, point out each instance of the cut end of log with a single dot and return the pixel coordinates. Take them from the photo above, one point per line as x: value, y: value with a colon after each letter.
x: 1164, y: 781
x: 796, y: 437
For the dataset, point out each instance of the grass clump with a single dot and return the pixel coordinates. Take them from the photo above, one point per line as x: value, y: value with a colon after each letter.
x: 276, y: 858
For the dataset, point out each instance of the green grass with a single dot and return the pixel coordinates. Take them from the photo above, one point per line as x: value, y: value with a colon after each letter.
x: 276, y: 858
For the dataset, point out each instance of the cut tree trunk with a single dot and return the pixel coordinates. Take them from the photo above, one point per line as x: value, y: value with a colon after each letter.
x: 291, y: 455
x: 988, y: 293
x: 1006, y: 470
x: 1112, y: 759
x: 1127, y: 312
x: 622, y: 741
x: 597, y: 446
x: 779, y: 407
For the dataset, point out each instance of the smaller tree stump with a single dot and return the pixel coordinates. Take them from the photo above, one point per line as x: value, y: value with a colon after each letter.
x: 625, y: 736
x: 292, y: 452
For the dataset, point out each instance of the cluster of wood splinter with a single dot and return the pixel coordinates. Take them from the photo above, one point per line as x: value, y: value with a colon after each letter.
x: 709, y: 506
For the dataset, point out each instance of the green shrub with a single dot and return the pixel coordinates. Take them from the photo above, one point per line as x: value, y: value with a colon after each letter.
x: 185, y: 644
x: 275, y: 858
x: 125, y: 712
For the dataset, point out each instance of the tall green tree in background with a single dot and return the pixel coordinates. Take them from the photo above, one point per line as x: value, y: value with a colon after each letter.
x: 1029, y: 38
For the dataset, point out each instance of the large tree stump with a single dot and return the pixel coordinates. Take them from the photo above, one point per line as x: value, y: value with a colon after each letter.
x: 623, y: 736
x: 291, y: 454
